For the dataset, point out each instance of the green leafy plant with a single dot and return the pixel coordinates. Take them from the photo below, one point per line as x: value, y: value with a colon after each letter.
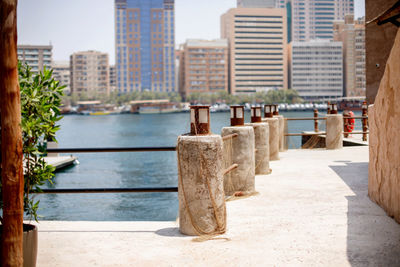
x: 40, y: 102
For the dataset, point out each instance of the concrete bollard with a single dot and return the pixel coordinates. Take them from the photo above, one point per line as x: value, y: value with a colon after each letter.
x: 242, y: 153
x: 201, y: 195
x: 273, y: 137
x: 281, y: 122
x: 334, y: 129
x: 261, y: 144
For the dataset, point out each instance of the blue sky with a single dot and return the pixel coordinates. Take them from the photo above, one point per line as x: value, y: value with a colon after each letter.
x: 78, y: 25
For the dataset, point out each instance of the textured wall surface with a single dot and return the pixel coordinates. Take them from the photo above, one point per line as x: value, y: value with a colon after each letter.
x: 200, y: 185
x: 378, y: 43
x: 239, y: 150
x: 273, y: 137
x: 384, y: 142
x: 334, y: 129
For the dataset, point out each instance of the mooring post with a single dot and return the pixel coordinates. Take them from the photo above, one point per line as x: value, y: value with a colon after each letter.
x: 274, y: 130
x: 261, y: 143
x: 334, y: 129
x: 11, y: 139
x: 239, y: 150
x: 281, y: 125
x: 316, y: 121
x: 364, y: 120
x: 201, y: 195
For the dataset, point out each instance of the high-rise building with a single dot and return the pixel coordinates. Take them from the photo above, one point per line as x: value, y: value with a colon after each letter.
x: 257, y: 48
x: 313, y: 19
x: 257, y: 3
x: 352, y: 33
x: 61, y: 73
x: 89, y: 73
x: 113, y: 78
x: 204, y: 66
x: 317, y: 69
x: 144, y: 45
x: 36, y: 56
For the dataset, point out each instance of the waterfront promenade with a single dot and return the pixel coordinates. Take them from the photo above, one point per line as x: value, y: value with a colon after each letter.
x: 313, y: 210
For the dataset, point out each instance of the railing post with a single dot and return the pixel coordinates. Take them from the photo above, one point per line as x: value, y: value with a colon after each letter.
x: 364, y: 120
x: 316, y: 121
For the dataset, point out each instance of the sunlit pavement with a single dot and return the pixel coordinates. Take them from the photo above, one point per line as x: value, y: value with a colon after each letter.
x: 312, y: 210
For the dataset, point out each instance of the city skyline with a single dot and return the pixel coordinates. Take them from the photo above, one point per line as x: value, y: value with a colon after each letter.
x: 81, y: 34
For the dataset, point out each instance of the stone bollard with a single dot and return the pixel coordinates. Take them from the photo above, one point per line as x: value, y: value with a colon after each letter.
x: 273, y: 137
x: 261, y: 144
x: 241, y: 152
x: 201, y: 195
x: 334, y: 131
x: 281, y: 122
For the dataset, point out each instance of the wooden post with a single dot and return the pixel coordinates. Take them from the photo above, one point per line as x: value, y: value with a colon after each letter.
x: 316, y: 121
x: 11, y: 138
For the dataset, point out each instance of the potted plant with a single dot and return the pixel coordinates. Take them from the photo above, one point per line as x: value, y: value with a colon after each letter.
x: 40, y: 102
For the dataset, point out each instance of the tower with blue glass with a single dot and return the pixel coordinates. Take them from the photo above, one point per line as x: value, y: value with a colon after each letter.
x: 145, y: 45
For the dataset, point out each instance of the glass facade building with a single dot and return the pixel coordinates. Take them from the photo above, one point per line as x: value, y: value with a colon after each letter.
x: 144, y: 45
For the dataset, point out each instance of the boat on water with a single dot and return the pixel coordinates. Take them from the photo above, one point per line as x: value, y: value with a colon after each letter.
x: 156, y: 110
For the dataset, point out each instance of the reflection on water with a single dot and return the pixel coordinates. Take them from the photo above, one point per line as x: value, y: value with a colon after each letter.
x: 118, y: 170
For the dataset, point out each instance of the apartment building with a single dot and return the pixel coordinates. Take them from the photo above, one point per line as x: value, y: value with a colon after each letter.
x: 61, y: 73
x: 113, y: 79
x: 352, y: 33
x: 204, y: 66
x: 36, y: 56
x: 145, y: 45
x: 257, y: 48
x: 317, y: 69
x: 313, y: 19
x: 90, y: 73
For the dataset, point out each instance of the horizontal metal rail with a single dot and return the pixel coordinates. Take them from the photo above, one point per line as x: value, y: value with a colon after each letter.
x: 229, y: 136
x: 305, y: 119
x: 109, y: 149
x: 321, y: 133
x: 108, y: 190
x: 356, y: 132
x: 321, y: 118
x: 304, y: 134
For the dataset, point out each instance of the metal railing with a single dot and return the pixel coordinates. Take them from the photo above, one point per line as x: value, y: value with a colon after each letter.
x: 120, y: 149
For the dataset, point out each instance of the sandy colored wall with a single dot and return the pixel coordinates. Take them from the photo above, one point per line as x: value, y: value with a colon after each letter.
x: 378, y: 43
x: 384, y: 143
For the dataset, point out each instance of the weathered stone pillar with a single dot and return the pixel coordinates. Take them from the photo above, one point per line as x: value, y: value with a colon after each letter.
x: 200, y: 185
x: 261, y: 143
x: 239, y: 150
x: 334, y: 131
x: 273, y: 137
x: 281, y: 121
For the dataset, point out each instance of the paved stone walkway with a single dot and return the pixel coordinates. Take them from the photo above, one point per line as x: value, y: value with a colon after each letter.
x: 313, y: 210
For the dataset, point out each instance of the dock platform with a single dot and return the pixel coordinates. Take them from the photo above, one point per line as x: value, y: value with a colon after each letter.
x: 60, y: 162
x: 313, y: 210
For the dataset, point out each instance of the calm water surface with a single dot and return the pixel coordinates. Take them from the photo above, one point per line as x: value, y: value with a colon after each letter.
x: 112, y: 170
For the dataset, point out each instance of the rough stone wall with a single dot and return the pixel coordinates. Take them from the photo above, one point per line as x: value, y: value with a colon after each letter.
x: 384, y: 142
x: 378, y: 43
